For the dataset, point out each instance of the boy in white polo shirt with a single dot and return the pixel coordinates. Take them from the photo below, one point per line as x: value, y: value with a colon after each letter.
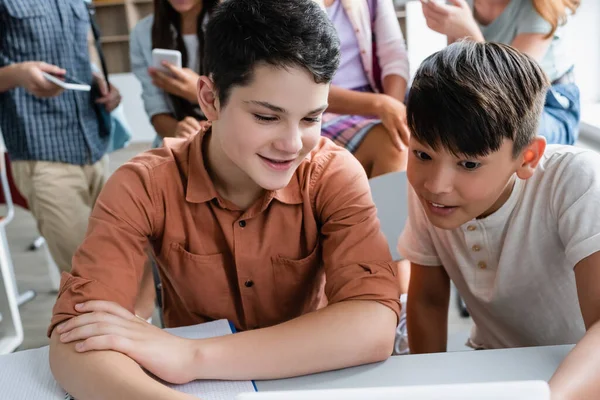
x: 513, y: 223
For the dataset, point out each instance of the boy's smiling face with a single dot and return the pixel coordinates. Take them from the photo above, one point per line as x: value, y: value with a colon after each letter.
x: 267, y: 127
x: 455, y: 189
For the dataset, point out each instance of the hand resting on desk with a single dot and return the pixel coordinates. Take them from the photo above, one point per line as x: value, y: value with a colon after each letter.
x: 108, y: 326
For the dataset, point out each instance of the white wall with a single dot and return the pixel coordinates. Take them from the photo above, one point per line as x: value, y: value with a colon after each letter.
x: 583, y: 36
x: 131, y: 90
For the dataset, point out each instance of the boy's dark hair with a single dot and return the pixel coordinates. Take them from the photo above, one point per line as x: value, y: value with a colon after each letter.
x: 282, y: 33
x: 471, y: 96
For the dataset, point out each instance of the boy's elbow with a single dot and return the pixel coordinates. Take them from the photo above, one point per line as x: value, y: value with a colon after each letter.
x: 382, y: 335
x: 57, y: 356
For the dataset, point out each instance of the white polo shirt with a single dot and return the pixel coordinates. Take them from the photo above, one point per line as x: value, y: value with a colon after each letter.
x: 514, y: 268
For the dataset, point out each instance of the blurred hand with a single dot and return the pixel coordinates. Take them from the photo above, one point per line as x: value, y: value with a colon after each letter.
x: 110, y: 98
x: 108, y: 326
x: 392, y: 113
x: 29, y: 76
x: 180, y: 82
x: 454, y: 20
x: 189, y: 126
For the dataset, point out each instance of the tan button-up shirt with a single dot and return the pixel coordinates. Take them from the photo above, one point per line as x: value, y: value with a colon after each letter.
x: 315, y: 241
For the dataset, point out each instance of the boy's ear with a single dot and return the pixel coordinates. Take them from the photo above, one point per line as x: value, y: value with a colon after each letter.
x: 207, y: 98
x: 530, y: 157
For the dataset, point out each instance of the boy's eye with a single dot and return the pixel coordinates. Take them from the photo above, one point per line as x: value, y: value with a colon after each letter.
x: 470, y: 165
x: 312, y: 120
x: 421, y: 155
x: 264, y: 118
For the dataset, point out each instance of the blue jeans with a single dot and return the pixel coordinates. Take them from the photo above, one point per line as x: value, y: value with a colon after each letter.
x: 560, y: 119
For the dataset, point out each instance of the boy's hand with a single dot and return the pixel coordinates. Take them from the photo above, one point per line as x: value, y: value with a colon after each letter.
x: 180, y: 82
x: 393, y: 117
x: 454, y: 20
x: 29, y: 76
x: 110, y: 98
x: 108, y: 326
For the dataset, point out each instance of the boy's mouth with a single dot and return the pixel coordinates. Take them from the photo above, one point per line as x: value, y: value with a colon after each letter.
x: 277, y: 164
x: 440, y: 209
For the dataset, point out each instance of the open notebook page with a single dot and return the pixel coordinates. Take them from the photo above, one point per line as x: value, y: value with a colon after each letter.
x: 26, y: 375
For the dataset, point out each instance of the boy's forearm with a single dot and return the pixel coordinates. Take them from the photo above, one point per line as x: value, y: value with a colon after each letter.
x: 578, y: 376
x: 8, y: 77
x: 104, y: 375
x: 341, y: 335
x: 427, y: 326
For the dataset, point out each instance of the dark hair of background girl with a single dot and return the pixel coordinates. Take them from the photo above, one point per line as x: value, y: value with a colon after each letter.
x: 166, y: 34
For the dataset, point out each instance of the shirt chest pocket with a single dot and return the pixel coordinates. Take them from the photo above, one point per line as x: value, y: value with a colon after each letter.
x: 298, y: 282
x: 81, y: 19
x: 29, y: 27
x: 201, y: 282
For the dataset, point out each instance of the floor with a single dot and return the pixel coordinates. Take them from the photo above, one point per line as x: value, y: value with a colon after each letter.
x: 32, y: 274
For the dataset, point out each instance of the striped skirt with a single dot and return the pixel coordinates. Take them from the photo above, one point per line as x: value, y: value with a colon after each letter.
x: 348, y: 131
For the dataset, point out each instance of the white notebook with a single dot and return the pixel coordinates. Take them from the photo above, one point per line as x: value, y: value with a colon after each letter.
x: 26, y: 374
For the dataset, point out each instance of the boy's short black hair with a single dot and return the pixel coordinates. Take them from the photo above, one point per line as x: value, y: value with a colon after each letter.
x: 471, y: 96
x: 282, y: 33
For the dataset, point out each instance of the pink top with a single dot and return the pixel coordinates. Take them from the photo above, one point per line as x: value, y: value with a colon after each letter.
x: 391, y: 48
x: 350, y: 74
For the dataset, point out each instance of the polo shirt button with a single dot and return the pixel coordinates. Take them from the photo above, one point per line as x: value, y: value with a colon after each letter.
x: 471, y: 228
x: 476, y: 247
x: 242, y: 223
x: 249, y: 283
x: 482, y: 265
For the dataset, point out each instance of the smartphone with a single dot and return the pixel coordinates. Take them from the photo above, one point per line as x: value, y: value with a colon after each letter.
x: 170, y: 56
x: 67, y: 82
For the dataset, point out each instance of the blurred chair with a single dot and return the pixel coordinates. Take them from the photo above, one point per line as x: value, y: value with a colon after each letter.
x: 39, y: 242
x: 11, y: 327
x: 6, y: 197
x: 390, y: 195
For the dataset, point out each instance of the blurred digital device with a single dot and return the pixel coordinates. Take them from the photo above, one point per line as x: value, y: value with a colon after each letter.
x: 521, y: 390
x: 170, y: 56
x: 67, y: 82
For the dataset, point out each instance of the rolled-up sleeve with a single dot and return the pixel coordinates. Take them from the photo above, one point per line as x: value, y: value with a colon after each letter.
x: 140, y: 53
x: 391, y: 48
x: 356, y: 257
x: 110, y: 262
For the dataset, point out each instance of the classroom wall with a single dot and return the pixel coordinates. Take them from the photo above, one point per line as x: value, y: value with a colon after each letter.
x: 583, y: 37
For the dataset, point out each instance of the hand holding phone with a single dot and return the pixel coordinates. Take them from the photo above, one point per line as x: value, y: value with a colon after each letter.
x: 170, y: 56
x: 30, y: 76
x: 69, y: 83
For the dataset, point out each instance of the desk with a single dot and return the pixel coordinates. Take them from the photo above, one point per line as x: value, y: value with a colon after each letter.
x: 30, y: 376
x: 530, y: 363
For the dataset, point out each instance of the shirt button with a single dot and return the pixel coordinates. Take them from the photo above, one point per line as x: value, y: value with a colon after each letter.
x: 475, y: 247
x: 249, y: 283
x: 482, y: 265
x: 242, y: 223
x: 471, y: 228
x: 363, y: 51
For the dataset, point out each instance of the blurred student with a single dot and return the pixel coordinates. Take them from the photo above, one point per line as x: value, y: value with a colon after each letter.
x: 57, y: 149
x: 170, y: 97
x: 535, y: 27
x: 366, y: 113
